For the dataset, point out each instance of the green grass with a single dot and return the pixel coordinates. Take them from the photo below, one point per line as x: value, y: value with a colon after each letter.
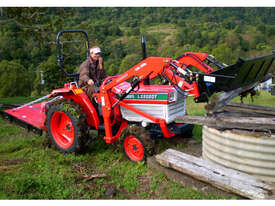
x: 17, y: 100
x: 262, y: 98
x: 30, y: 170
x: 195, y: 108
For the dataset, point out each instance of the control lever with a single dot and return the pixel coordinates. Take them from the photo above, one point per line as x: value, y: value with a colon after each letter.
x: 123, y: 96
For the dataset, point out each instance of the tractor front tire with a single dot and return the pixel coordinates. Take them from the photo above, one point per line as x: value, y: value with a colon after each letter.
x: 67, y: 128
x: 137, y: 143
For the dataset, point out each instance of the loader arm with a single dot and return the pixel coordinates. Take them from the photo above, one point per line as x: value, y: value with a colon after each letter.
x: 196, y: 60
x: 154, y: 66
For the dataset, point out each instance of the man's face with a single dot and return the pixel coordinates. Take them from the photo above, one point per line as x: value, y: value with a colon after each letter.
x: 95, y: 56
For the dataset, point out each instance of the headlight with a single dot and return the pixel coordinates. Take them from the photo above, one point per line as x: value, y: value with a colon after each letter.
x: 172, y: 97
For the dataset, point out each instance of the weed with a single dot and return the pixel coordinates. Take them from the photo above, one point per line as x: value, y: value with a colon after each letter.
x: 7, y: 130
x: 69, y: 108
x: 125, y: 174
x: 14, y: 145
x: 144, y: 194
x: 176, y: 191
x: 155, y: 180
x: 3, y: 196
x: 41, y: 186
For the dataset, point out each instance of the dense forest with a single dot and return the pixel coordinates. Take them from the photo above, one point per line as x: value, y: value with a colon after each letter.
x: 28, y: 39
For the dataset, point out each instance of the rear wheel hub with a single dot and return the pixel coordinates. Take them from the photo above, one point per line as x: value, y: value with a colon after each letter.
x: 62, y: 129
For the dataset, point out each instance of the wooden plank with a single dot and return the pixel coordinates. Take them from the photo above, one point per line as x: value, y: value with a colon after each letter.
x: 248, y: 108
x: 188, y: 181
x: 218, y: 168
x: 217, y: 175
x: 229, y: 113
x: 252, y: 123
x: 251, y: 107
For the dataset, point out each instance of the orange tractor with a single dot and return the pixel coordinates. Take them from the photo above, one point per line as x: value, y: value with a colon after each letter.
x: 132, y: 109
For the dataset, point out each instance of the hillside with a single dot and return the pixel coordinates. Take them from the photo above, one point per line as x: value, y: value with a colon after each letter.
x: 27, y: 42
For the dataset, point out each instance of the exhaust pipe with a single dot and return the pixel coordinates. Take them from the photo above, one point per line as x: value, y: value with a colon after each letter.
x: 144, y: 56
x: 143, y: 46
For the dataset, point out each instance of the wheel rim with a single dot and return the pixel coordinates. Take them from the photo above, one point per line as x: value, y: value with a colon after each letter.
x: 62, y: 129
x: 134, y: 148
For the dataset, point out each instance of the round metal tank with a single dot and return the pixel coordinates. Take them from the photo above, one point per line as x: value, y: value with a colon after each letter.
x: 252, y: 154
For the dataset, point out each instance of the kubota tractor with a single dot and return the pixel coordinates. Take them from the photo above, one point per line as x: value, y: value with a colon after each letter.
x: 132, y: 109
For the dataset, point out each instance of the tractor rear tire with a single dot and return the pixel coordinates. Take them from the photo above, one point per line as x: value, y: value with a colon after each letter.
x: 67, y: 128
x: 137, y: 143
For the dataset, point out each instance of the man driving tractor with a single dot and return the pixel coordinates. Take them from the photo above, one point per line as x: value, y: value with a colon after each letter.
x: 91, y: 72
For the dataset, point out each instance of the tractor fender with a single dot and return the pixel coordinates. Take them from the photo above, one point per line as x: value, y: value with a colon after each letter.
x: 79, y: 97
x: 59, y: 92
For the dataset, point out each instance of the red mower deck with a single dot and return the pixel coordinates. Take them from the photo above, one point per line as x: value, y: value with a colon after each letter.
x: 32, y: 116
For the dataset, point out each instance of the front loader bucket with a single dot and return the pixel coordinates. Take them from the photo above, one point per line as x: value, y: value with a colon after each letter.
x: 31, y: 116
x: 235, y: 79
x: 243, y: 74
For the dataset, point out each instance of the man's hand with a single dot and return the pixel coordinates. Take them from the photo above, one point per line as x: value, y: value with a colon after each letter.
x: 91, y: 82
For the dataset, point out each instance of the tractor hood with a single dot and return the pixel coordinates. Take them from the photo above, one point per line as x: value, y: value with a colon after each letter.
x: 150, y: 94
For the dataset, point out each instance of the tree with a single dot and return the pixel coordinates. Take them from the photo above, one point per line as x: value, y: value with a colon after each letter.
x: 270, y: 30
x: 223, y: 54
x: 14, y: 79
x: 182, y: 37
x: 261, y: 28
x: 128, y: 62
x: 53, y: 76
x: 233, y: 40
x: 34, y: 20
x: 257, y: 38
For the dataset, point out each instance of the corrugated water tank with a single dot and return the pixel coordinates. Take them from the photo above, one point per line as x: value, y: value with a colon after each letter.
x: 248, y: 152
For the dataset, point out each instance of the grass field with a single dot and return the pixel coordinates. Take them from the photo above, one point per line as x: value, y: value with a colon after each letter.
x: 31, y: 170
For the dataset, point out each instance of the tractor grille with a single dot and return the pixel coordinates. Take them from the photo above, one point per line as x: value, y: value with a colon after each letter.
x: 165, y: 111
x: 176, y: 109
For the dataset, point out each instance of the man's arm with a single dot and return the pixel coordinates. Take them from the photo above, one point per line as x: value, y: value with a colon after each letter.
x: 84, y: 76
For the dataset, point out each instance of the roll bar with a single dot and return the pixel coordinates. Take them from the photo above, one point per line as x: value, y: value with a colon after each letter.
x: 60, y: 58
